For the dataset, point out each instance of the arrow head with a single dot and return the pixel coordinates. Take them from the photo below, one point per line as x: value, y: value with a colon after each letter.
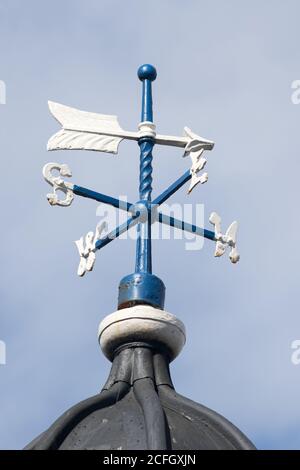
x: 196, y: 142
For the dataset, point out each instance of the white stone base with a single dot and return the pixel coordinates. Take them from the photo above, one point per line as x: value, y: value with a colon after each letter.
x: 141, y: 323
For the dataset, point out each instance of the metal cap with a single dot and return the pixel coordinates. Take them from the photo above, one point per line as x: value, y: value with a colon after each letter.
x: 141, y: 288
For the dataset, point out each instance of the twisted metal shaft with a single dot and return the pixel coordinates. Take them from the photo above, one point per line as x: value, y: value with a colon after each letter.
x: 143, y: 257
x: 145, y: 189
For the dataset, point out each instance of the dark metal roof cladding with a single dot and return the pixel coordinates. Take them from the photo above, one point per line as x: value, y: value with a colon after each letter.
x: 138, y: 408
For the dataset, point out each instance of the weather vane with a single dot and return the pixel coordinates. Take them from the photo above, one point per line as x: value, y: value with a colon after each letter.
x: 91, y: 131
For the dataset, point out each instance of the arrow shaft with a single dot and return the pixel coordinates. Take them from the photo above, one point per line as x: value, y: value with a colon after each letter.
x: 113, y: 133
x: 159, y: 139
x: 171, y: 140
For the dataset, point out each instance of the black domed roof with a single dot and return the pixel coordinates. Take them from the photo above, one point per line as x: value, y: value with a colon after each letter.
x: 138, y: 408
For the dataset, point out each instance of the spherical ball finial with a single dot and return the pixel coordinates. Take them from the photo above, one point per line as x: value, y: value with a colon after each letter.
x: 147, y: 72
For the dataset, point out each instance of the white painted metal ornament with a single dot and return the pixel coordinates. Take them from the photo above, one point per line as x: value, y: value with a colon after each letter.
x: 59, y: 184
x: 86, y: 247
x: 229, y: 239
x: 195, y: 151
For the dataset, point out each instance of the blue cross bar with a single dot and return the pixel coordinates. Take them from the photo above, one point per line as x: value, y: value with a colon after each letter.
x: 136, y: 215
x: 117, y: 203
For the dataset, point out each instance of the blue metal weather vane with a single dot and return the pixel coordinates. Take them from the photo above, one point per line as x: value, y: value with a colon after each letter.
x: 91, y: 131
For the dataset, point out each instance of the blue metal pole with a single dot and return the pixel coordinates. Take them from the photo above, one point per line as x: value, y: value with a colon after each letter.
x: 143, y: 287
x: 146, y: 74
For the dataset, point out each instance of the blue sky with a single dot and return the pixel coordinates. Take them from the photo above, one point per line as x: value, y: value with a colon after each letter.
x: 225, y: 69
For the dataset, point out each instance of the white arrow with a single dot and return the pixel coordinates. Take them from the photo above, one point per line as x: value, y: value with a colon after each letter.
x: 82, y: 130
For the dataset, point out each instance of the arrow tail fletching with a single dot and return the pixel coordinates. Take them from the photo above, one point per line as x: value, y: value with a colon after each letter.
x: 83, y: 130
x: 74, y: 140
x: 74, y: 119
